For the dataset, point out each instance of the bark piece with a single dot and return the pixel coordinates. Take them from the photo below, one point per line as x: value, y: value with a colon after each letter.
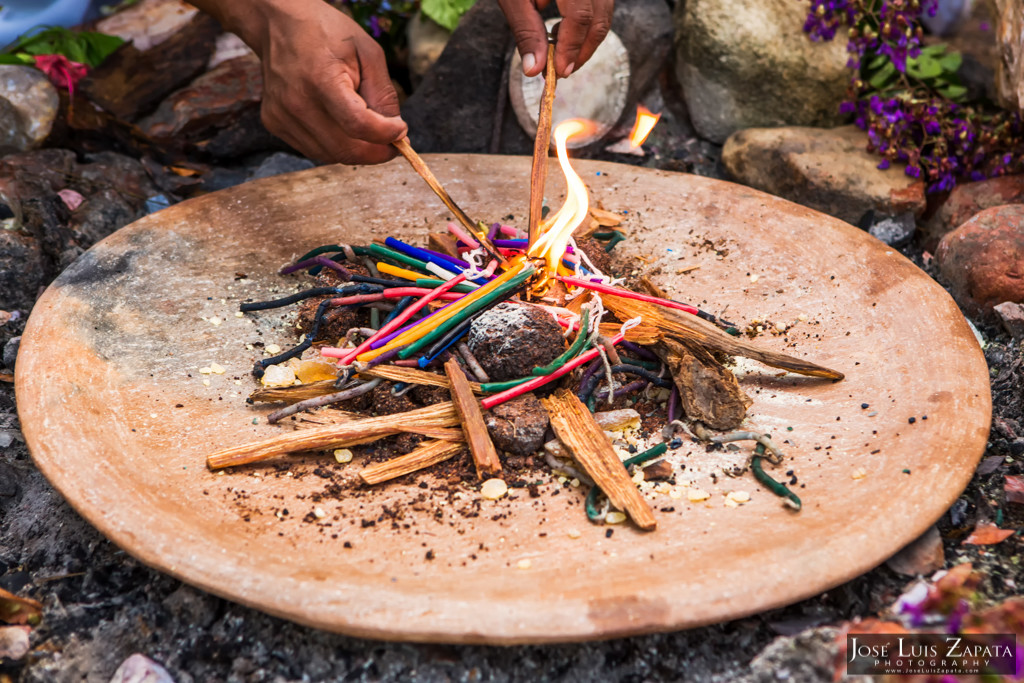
x: 335, y: 436
x: 708, y: 391
x: 577, y: 429
x: 426, y: 455
x: 485, y: 456
x: 691, y: 328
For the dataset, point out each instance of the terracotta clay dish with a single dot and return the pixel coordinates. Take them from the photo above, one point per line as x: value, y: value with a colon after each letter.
x: 120, y: 419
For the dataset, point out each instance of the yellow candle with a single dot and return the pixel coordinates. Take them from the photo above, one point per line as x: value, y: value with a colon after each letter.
x: 398, y: 272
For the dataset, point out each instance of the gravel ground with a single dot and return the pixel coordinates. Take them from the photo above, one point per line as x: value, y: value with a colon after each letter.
x: 101, y: 605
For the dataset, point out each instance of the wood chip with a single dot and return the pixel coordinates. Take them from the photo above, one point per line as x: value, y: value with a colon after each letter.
x: 643, y: 333
x: 541, y: 145
x: 6, y: 376
x: 428, y: 454
x: 485, y: 456
x: 708, y: 391
x: 576, y: 428
x: 605, y: 219
x: 443, y: 242
x: 684, y: 326
x: 397, y: 373
x: 293, y: 394
x: 335, y: 436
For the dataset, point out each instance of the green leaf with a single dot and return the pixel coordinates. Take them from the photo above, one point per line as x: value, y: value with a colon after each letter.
x: 446, y: 12
x: 924, y: 67
x: 951, y: 62
x: 884, y: 75
x: 17, y: 58
x: 877, y: 61
x: 85, y: 47
x: 953, y: 92
x: 934, y: 50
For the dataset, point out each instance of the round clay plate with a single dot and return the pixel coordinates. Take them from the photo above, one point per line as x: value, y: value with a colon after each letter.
x: 120, y: 417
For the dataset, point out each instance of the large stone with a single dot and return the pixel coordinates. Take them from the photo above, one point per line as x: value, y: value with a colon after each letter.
x: 825, y: 169
x: 749, y: 64
x: 218, y: 114
x: 427, y: 40
x: 983, y: 259
x: 148, y: 23
x: 28, y: 107
x: 132, y: 81
x: 1010, y: 37
x: 968, y: 199
x: 455, y: 109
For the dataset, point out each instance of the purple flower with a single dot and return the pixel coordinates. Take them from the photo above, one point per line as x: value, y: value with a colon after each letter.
x: 883, y: 164
x: 375, y: 28
x: 847, y: 108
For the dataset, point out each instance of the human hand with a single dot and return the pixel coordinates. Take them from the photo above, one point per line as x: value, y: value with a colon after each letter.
x: 326, y: 87
x: 584, y: 25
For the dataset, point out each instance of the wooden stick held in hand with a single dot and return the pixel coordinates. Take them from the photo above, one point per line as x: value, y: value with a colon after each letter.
x: 541, y: 145
x: 420, y: 166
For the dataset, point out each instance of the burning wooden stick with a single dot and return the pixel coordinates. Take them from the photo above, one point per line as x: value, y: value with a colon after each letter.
x: 429, y: 453
x: 345, y: 434
x: 485, y: 457
x: 541, y: 145
x: 690, y: 327
x: 420, y: 166
x: 575, y: 427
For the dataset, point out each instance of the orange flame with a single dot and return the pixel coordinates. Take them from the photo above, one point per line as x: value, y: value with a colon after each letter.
x: 555, y: 231
x: 645, y: 121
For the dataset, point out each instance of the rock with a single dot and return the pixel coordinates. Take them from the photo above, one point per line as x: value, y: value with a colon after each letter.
x: 1010, y: 37
x: 518, y: 426
x: 968, y: 199
x: 24, y: 270
x: 148, y: 23
x: 512, y: 339
x: 133, y: 80
x: 983, y: 259
x: 28, y: 107
x: 1012, y: 316
x: 455, y: 109
x: 14, y: 643
x: 807, y: 656
x: 427, y: 40
x: 278, y: 163
x: 896, y: 231
x: 192, y: 606
x: 10, y: 355
x: 227, y: 47
x: 217, y: 114
x: 922, y: 556
x: 749, y: 64
x: 825, y: 169
x: 141, y: 669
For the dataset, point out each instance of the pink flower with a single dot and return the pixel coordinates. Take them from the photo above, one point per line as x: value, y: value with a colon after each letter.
x: 61, y: 71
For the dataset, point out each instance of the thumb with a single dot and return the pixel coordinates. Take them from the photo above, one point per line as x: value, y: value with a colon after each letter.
x: 529, y: 32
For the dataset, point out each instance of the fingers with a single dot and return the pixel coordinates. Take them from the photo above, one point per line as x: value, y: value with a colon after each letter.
x: 529, y: 32
x: 584, y: 25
